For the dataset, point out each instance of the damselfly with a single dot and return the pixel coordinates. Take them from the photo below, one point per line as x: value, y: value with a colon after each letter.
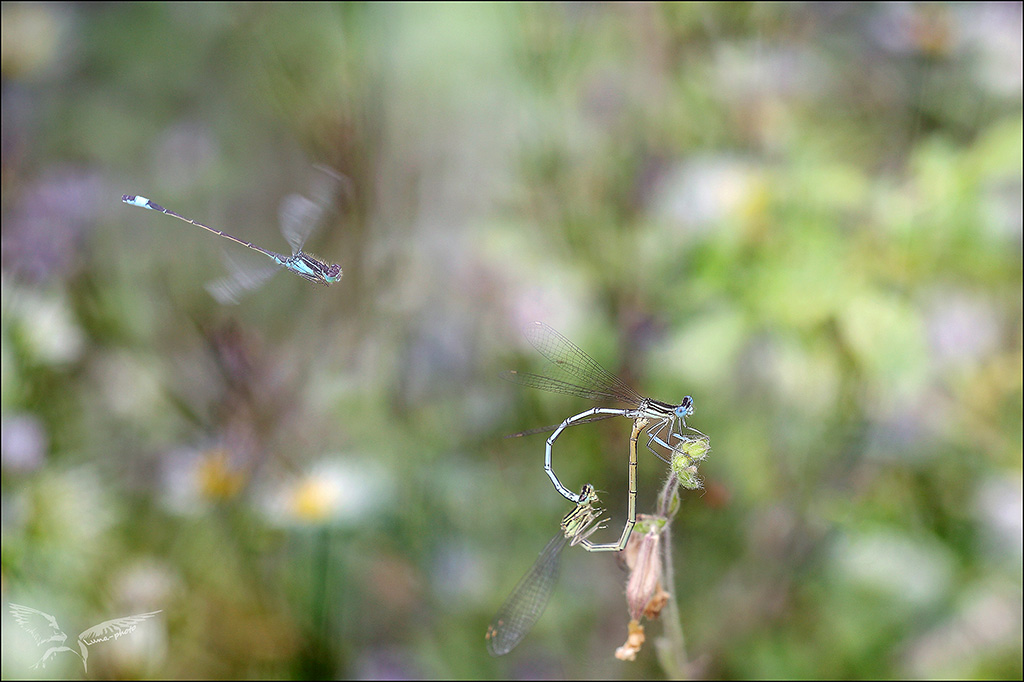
x: 573, y: 372
x: 524, y: 606
x: 299, y: 215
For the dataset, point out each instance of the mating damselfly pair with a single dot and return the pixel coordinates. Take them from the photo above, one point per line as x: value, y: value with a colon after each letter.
x: 299, y: 216
x: 571, y: 371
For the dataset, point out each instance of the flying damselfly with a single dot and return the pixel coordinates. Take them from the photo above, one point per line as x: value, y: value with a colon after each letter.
x: 299, y: 216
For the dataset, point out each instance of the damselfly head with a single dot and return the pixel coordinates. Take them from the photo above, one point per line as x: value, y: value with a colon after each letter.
x: 333, y: 273
x: 685, y: 408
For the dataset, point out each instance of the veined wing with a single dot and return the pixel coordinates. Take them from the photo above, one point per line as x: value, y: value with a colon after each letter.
x: 572, y: 371
x: 553, y: 385
x: 543, y: 429
x: 520, y: 612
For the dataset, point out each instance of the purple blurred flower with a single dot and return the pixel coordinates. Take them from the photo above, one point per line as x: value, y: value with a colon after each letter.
x: 45, y: 230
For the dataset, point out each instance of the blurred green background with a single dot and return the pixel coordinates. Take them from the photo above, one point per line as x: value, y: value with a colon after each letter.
x: 808, y: 217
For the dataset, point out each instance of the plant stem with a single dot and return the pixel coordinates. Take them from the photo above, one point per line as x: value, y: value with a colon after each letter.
x: 671, y: 646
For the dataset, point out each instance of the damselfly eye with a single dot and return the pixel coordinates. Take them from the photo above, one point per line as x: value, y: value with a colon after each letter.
x: 334, y: 272
x: 685, y: 408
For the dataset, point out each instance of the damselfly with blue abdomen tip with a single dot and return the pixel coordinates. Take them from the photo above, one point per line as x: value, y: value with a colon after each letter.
x: 299, y: 216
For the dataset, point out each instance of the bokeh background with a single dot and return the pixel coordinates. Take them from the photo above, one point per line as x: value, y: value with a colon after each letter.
x: 808, y: 217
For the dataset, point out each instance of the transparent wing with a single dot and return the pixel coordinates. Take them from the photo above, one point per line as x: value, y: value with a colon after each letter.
x: 542, y: 429
x: 570, y: 370
x: 300, y: 215
x: 520, y: 612
x: 553, y: 385
x: 241, y: 278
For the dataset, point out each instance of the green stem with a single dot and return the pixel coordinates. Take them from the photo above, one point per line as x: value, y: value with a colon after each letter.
x: 671, y: 646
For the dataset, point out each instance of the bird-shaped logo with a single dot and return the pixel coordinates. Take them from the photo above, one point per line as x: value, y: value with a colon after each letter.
x: 44, y: 629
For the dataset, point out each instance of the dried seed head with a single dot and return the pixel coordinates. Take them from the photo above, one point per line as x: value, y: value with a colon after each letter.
x: 645, y: 576
x: 634, y: 642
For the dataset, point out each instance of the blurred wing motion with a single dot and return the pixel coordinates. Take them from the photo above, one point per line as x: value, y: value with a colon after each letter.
x: 301, y: 215
x: 240, y: 279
